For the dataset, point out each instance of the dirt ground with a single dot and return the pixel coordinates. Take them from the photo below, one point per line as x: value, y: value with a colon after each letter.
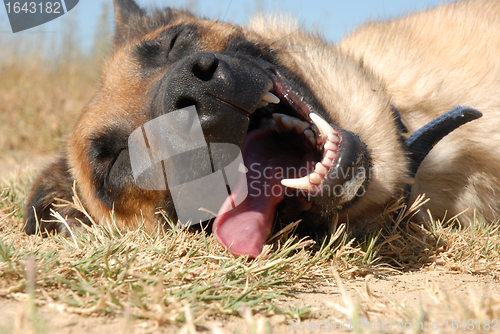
x: 413, y: 291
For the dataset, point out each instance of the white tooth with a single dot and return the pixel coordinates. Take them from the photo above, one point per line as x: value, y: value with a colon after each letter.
x: 310, y: 135
x: 270, y: 97
x: 315, y: 178
x: 300, y: 126
x: 330, y: 155
x: 333, y: 138
x: 262, y: 104
x: 320, y: 169
x: 287, y: 122
x: 330, y: 146
x: 283, y: 121
x: 326, y: 162
x: 322, y: 125
x: 277, y: 117
x: 273, y: 125
x: 302, y: 183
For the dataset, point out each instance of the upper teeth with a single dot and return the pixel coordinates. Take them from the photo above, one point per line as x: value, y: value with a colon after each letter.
x: 300, y: 126
x: 270, y: 97
x: 285, y: 123
x: 322, y: 125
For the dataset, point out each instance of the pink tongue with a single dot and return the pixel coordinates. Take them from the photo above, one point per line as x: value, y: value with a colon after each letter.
x: 246, y: 228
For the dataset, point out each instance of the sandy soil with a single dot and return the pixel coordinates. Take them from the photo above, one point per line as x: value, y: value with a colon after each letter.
x: 409, y: 289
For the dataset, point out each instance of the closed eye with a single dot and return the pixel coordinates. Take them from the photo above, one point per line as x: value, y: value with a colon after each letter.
x: 174, y: 39
x: 154, y: 53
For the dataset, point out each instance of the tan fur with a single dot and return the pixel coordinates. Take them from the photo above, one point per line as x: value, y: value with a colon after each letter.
x: 430, y: 63
x: 121, y: 98
x: 348, y: 95
x: 424, y: 64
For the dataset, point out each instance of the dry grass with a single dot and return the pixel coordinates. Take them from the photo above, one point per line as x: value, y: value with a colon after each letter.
x: 43, y: 88
x: 161, y: 275
x: 372, y: 313
x: 39, y: 104
x: 408, y: 245
x: 183, y: 279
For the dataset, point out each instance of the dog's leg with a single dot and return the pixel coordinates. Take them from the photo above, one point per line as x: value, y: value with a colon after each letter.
x: 54, y: 183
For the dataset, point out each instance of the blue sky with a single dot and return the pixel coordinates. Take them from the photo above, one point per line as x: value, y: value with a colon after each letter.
x: 333, y: 18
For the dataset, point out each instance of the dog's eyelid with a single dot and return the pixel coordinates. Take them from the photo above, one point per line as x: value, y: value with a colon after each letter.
x: 154, y: 46
x: 173, y: 40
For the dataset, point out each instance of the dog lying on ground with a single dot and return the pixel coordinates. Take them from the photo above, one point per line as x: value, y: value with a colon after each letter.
x: 335, y: 132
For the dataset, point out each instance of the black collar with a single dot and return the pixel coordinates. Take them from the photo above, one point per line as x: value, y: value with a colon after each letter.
x: 419, y: 144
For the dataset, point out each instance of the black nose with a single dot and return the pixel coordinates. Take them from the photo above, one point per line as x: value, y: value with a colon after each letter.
x: 204, y: 66
x: 210, y: 79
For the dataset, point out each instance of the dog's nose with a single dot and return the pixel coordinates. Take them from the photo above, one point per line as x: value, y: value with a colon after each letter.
x: 225, y: 88
x: 204, y: 66
x: 209, y: 80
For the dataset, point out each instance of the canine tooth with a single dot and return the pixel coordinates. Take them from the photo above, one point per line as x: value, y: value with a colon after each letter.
x: 270, y: 97
x: 302, y: 183
x: 315, y: 178
x: 333, y: 138
x: 300, y: 126
x: 262, y: 104
x: 330, y: 155
x: 331, y: 146
x: 322, y: 125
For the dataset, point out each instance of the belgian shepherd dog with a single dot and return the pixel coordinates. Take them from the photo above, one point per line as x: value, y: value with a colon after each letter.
x: 327, y: 132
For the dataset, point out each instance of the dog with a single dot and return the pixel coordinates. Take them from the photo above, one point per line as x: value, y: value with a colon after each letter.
x: 339, y: 131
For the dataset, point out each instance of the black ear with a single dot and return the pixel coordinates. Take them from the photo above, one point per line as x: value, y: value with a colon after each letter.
x: 127, y: 15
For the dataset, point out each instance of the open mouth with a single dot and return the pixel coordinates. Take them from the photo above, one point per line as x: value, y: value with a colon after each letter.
x: 293, y: 156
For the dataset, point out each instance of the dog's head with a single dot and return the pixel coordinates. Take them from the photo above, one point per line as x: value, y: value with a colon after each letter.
x: 310, y: 124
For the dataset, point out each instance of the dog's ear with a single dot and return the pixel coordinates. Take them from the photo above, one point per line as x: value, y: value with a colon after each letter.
x: 127, y: 15
x: 124, y: 9
x: 132, y: 21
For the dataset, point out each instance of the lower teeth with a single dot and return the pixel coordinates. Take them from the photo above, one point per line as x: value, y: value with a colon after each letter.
x: 309, y: 181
